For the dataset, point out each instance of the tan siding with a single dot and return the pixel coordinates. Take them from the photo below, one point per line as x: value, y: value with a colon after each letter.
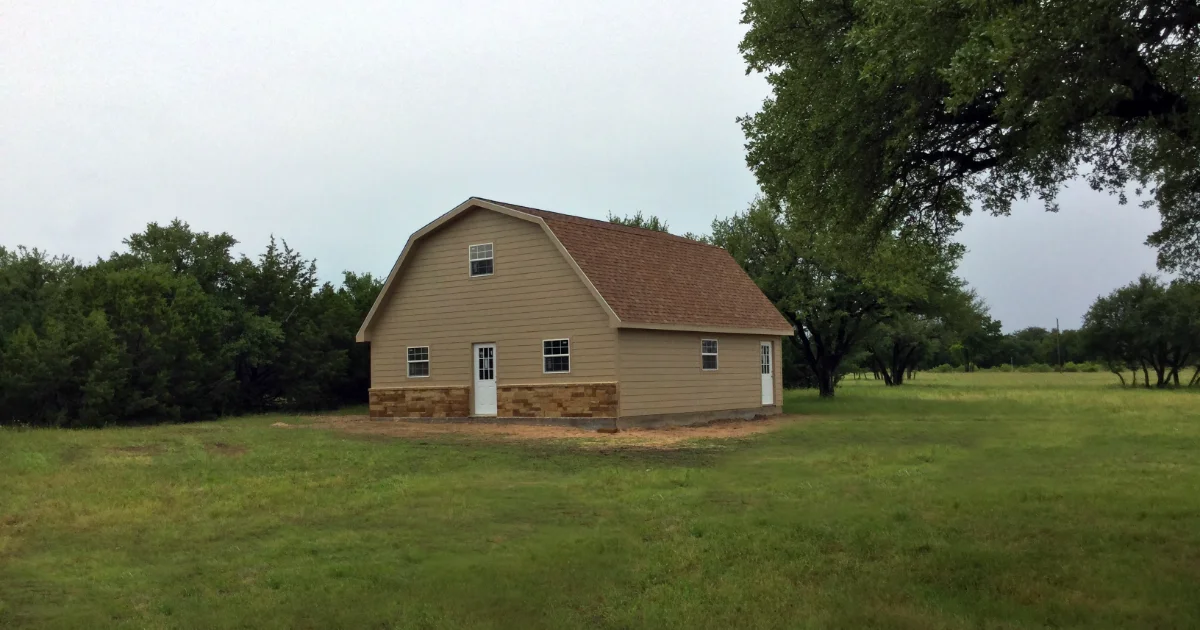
x: 779, y: 371
x: 660, y: 373
x: 533, y: 295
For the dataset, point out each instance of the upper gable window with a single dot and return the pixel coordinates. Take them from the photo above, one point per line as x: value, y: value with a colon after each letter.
x: 482, y: 263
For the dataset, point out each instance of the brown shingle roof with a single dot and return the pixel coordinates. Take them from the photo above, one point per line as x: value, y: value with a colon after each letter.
x: 650, y: 277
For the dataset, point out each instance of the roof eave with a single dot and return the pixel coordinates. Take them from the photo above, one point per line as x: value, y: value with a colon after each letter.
x: 708, y: 328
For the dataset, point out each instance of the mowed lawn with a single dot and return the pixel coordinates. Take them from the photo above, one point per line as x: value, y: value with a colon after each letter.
x: 956, y: 501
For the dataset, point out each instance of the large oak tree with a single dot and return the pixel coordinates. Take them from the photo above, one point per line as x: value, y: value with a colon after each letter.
x: 891, y: 115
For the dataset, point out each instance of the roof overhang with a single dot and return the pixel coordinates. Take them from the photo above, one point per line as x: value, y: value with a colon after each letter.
x: 704, y: 328
x: 474, y: 202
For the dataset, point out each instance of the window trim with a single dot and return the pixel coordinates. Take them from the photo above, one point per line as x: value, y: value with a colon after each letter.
x: 410, y: 362
x: 546, y: 356
x: 470, y: 270
x: 715, y: 355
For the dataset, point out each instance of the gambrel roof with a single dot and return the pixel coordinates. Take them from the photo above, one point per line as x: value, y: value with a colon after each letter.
x: 642, y: 278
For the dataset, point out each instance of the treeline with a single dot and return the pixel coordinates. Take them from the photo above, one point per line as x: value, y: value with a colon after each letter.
x: 1149, y: 328
x: 893, y: 306
x: 175, y: 329
x: 1033, y: 346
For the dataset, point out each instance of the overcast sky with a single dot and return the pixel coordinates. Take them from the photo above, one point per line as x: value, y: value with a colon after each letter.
x: 344, y: 126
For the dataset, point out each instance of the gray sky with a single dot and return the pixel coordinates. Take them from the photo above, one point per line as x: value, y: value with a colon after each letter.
x: 342, y: 127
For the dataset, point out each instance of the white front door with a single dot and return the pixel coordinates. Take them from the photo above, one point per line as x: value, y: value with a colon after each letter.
x: 768, y: 375
x: 485, y: 379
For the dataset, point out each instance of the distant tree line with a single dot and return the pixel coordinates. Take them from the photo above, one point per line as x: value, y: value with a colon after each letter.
x: 1149, y: 328
x: 176, y: 328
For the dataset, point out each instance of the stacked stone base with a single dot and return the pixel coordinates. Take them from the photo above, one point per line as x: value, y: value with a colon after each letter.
x: 421, y: 402
x: 566, y: 400
x: 585, y: 400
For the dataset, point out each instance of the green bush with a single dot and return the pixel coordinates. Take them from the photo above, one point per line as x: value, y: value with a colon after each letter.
x: 174, y: 329
x: 1070, y: 366
x: 944, y: 368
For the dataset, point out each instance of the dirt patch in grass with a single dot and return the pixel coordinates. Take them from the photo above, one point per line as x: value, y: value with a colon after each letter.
x: 138, y: 450
x: 663, y: 438
x: 228, y: 450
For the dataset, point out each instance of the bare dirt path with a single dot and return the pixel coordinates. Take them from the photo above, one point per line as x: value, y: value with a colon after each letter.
x: 664, y: 437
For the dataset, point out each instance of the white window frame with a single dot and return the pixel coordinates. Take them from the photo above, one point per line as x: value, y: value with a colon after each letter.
x: 715, y: 354
x: 545, y: 356
x: 471, y: 259
x: 426, y: 361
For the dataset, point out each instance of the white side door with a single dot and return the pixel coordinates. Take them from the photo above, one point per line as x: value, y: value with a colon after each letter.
x: 768, y: 374
x: 485, y: 378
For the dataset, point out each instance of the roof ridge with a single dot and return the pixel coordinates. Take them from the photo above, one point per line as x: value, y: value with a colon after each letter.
x: 600, y: 223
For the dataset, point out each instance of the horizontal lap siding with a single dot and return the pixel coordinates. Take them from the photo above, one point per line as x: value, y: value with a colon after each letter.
x: 533, y: 295
x: 660, y: 372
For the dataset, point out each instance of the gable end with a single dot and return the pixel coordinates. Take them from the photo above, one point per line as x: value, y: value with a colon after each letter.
x: 364, y: 331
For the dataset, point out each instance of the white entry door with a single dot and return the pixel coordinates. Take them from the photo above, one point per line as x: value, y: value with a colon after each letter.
x: 485, y: 379
x: 768, y: 374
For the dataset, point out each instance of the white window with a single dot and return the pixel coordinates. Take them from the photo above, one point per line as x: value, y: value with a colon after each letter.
x: 418, y: 362
x: 482, y: 263
x: 556, y: 356
x: 708, y: 354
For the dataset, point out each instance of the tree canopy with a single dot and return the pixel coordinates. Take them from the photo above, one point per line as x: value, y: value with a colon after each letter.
x: 1148, y: 325
x: 640, y: 220
x: 892, y: 115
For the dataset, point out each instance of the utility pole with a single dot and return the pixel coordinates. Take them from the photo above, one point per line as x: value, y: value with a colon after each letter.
x: 1058, y: 343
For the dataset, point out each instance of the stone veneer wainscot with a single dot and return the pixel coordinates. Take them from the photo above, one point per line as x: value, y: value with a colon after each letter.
x: 420, y: 402
x: 559, y: 400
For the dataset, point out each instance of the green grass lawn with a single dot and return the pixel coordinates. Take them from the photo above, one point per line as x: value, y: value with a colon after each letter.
x: 980, y: 501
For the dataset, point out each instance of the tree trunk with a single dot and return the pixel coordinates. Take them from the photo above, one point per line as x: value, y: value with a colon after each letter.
x: 1195, y: 377
x: 825, y: 382
x: 902, y: 362
x: 1120, y: 376
x: 1145, y: 375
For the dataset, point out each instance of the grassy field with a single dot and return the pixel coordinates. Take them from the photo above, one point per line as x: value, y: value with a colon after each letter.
x: 957, y: 501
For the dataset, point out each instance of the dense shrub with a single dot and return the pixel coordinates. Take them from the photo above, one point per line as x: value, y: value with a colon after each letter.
x: 175, y: 329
